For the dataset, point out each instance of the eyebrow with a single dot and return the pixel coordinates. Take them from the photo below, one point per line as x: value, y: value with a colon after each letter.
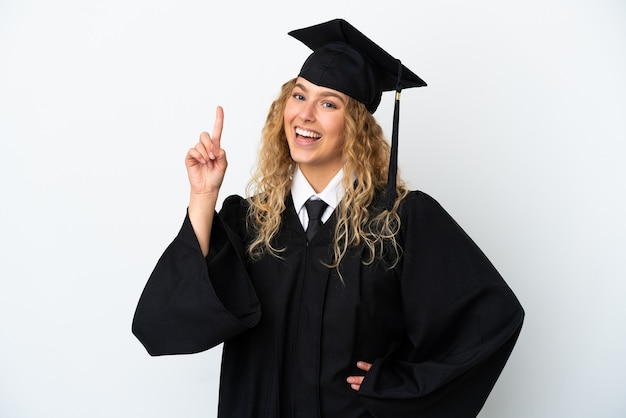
x: 324, y: 93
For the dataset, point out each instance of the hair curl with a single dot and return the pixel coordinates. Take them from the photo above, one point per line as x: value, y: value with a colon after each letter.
x: 365, y: 157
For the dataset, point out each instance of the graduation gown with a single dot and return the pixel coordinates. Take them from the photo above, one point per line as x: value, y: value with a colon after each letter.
x: 438, y: 328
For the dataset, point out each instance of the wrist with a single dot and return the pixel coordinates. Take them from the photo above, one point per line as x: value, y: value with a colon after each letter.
x: 206, y: 201
x: 204, y: 196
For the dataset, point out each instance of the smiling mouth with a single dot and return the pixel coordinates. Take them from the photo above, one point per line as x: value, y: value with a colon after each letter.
x: 307, y: 135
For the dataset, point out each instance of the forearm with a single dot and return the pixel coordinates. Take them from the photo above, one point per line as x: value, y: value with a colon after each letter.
x: 201, y: 212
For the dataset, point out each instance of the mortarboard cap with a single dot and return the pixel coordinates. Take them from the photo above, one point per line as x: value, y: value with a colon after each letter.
x: 346, y: 60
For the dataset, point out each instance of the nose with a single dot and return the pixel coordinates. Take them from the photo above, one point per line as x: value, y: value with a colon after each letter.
x: 307, y: 112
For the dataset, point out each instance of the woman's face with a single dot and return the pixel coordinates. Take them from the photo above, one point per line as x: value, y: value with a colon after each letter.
x: 314, y: 124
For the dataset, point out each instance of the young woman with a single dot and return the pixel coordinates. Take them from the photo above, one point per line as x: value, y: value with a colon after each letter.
x: 377, y: 306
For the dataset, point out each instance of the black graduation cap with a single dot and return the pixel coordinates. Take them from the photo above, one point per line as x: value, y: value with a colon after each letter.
x: 346, y: 60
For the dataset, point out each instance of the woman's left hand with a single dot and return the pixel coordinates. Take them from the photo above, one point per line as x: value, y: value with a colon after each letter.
x: 355, y: 381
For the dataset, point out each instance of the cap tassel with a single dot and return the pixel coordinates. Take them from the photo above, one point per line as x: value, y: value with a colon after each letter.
x: 393, y: 158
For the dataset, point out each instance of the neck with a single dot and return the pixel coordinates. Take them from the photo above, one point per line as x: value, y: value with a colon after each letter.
x: 318, y: 178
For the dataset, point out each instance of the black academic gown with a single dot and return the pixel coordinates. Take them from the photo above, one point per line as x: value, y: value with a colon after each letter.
x: 438, y: 328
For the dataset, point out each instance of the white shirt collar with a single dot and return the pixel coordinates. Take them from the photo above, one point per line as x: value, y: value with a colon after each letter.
x: 301, y: 191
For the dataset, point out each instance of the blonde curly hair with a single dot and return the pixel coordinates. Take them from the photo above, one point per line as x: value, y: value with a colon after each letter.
x: 365, y: 157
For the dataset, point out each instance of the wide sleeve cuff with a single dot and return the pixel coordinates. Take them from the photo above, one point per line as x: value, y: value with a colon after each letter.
x: 192, y: 303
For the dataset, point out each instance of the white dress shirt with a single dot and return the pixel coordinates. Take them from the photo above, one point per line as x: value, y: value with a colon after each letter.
x: 301, y: 191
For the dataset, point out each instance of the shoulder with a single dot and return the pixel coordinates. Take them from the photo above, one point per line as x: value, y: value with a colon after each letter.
x: 414, y: 203
x: 417, y: 201
x: 234, y: 201
x: 420, y: 210
x: 234, y: 211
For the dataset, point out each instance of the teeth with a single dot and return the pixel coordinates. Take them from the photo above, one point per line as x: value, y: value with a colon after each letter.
x: 308, y: 134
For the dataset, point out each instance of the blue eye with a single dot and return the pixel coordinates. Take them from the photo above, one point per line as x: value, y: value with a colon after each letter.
x: 298, y: 96
x: 329, y: 105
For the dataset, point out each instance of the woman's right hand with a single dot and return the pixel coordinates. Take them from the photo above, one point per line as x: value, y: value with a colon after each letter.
x: 206, y: 162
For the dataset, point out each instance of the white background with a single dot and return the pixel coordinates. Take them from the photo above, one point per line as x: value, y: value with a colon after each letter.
x: 520, y: 135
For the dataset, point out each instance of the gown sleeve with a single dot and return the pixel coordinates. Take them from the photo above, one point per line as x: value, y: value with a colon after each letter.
x: 192, y: 303
x: 462, y: 322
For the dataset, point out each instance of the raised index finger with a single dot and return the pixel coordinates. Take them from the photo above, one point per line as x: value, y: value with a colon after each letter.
x: 217, y: 127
